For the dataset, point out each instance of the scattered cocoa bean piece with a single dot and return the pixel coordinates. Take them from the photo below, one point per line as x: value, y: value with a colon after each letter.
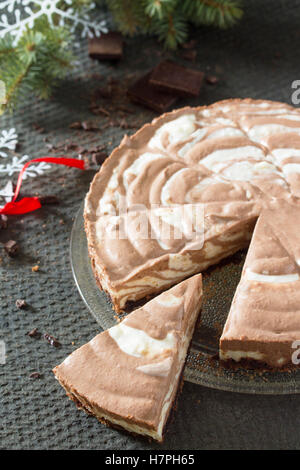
x: 20, y: 303
x: 38, y: 128
x: 51, y: 340
x: 11, y: 247
x: 3, y: 221
x: 75, y: 125
x: 89, y: 126
x: 211, y: 79
x: 34, y: 333
x: 35, y: 375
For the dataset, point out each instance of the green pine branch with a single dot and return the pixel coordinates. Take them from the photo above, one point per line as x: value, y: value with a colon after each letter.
x: 221, y: 13
x: 35, y: 64
x: 169, y: 19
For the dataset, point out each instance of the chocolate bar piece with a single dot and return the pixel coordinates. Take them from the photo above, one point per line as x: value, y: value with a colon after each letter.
x: 173, y: 78
x: 108, y: 47
x: 143, y: 93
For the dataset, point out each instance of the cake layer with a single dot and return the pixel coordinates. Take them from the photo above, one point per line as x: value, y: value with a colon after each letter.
x: 128, y: 376
x: 264, y: 320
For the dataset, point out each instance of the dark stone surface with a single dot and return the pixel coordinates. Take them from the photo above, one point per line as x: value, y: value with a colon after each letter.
x: 257, y: 59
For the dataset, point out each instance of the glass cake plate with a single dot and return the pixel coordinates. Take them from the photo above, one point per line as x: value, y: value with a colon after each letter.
x: 202, y: 367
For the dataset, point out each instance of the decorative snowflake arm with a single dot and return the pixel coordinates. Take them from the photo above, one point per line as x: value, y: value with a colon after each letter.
x: 8, y: 140
x: 51, y: 9
x: 17, y: 163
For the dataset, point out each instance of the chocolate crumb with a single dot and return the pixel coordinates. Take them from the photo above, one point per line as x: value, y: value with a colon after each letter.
x: 211, y: 79
x: 38, y: 128
x: 11, y: 247
x: 35, y: 375
x: 3, y: 221
x: 20, y: 303
x: 99, y: 157
x: 189, y: 54
x: 51, y: 340
x: 75, y: 125
x: 89, y: 126
x: 34, y: 333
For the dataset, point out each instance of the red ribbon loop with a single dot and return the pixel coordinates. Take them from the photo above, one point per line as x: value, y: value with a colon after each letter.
x: 29, y: 204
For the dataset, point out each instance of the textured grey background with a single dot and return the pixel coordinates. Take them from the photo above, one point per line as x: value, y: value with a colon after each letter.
x: 258, y: 59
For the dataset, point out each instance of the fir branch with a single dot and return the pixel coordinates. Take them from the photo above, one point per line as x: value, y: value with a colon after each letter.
x: 221, y: 13
x: 41, y: 57
x: 169, y: 19
x: 171, y: 30
x: 129, y: 15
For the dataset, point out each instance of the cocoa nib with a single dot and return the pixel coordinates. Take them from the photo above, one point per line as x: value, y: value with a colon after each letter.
x: 75, y: 125
x: 211, y: 79
x: 20, y: 303
x: 3, y: 221
x: 51, y: 340
x: 35, y: 375
x: 34, y: 333
x: 89, y: 126
x: 11, y: 247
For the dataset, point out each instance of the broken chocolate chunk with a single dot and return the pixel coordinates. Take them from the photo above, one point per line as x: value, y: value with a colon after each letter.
x: 143, y: 93
x: 51, y: 340
x: 11, y: 247
x: 108, y: 47
x: 173, y: 78
x: 34, y: 333
x: 20, y: 303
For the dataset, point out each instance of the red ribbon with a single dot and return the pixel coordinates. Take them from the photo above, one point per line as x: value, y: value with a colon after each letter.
x: 29, y: 204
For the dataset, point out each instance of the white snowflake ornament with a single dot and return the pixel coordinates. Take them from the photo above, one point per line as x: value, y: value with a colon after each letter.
x: 6, y: 194
x: 26, y: 12
x: 8, y: 141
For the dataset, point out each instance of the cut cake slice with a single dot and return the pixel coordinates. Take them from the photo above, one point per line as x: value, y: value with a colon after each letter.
x: 264, y: 319
x: 128, y: 376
